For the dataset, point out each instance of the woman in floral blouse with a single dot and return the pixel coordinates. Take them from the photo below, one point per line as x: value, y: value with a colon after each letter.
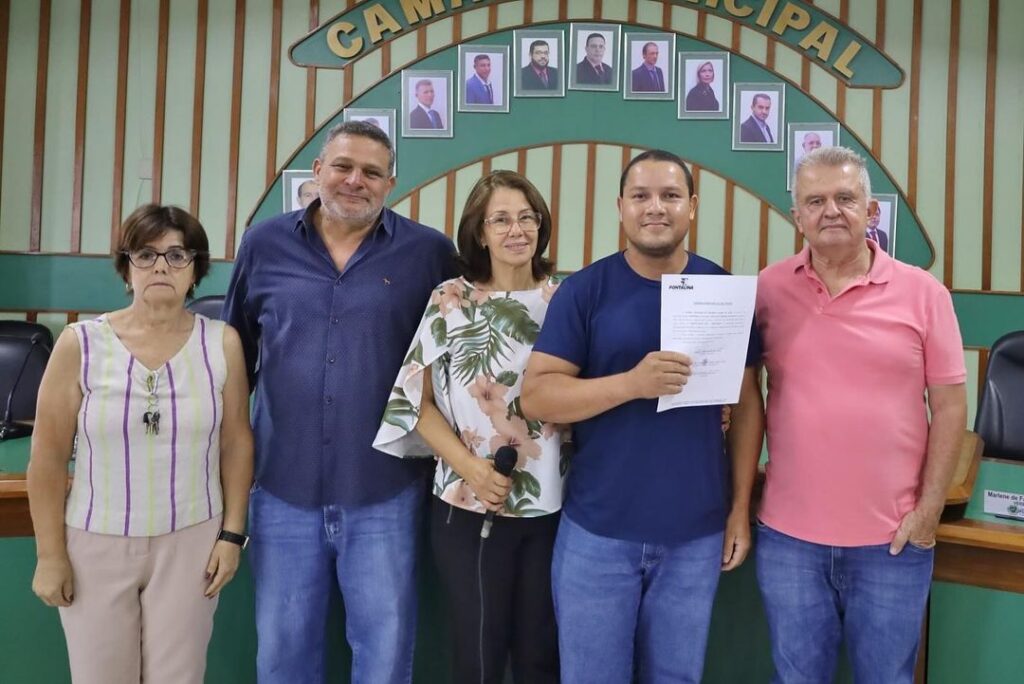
x: 458, y: 390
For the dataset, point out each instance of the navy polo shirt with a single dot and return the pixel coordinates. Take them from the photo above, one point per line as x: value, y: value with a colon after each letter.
x: 637, y: 474
x: 329, y: 345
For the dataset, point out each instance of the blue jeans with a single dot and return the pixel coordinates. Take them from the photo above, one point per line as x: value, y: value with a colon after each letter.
x: 370, y: 551
x: 816, y: 595
x: 614, y: 597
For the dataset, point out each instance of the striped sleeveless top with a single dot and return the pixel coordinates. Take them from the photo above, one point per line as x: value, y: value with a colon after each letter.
x: 129, y: 481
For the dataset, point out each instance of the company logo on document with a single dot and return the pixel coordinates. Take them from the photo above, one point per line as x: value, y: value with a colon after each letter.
x: 681, y: 285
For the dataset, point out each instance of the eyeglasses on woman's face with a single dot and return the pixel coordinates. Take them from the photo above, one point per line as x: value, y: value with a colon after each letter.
x: 501, y: 223
x: 176, y: 257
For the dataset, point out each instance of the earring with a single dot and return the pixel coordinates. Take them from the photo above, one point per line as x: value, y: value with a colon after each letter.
x: 192, y: 290
x: 128, y: 288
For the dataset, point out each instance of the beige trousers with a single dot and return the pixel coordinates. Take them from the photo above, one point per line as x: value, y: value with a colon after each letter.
x: 138, y: 612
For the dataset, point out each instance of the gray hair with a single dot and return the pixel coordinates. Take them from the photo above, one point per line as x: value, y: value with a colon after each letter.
x: 360, y: 129
x: 834, y: 156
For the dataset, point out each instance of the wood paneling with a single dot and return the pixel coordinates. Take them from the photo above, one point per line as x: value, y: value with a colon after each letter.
x: 198, y: 100
x: 123, y: 36
x: 81, y: 98
x: 235, y: 126
x: 160, y: 107
x: 948, y: 248
x: 39, y: 134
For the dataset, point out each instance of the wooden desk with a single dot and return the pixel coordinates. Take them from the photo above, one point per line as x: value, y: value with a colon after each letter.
x: 982, y: 554
x: 14, y: 517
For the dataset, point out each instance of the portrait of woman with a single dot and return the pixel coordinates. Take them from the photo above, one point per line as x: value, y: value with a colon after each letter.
x: 157, y: 401
x: 701, y: 97
x: 458, y: 391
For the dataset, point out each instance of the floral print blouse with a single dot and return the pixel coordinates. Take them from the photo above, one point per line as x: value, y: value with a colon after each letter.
x: 476, y: 343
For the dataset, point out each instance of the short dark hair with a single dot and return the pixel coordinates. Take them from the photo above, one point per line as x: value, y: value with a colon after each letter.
x: 149, y: 223
x: 537, y: 43
x: 360, y: 129
x: 648, y: 44
x: 474, y: 263
x: 760, y: 96
x: 481, y: 57
x: 594, y: 35
x: 657, y: 155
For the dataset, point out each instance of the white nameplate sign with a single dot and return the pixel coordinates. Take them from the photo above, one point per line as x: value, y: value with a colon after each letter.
x: 1004, y: 504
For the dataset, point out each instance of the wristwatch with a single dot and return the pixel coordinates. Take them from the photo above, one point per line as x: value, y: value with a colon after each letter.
x: 240, y: 539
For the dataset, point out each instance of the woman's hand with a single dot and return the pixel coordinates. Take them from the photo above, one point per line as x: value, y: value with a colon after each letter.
x: 53, y: 582
x: 490, y: 487
x: 222, y: 566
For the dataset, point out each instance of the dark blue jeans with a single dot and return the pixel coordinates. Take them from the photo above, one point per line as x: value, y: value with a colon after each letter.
x: 370, y: 551
x: 816, y: 596
x: 613, y: 596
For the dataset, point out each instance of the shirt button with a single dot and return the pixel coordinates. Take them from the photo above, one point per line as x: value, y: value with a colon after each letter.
x: 329, y: 399
x: 334, y: 320
x: 330, y: 359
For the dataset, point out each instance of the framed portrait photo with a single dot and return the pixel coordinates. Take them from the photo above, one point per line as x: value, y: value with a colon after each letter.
x: 758, y: 116
x: 703, y: 85
x: 483, y: 78
x: 804, y: 138
x: 298, y: 189
x: 384, y: 119
x: 595, y: 56
x: 650, y: 72
x: 539, y: 66
x: 426, y: 103
x: 882, y: 225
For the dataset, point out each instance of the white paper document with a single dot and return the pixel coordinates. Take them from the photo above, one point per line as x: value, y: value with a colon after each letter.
x: 708, y: 318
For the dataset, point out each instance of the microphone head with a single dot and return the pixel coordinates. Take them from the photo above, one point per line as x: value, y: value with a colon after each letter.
x: 505, y: 460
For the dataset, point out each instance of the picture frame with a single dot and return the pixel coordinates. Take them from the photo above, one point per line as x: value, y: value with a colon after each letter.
x: 477, y: 86
x: 887, y: 208
x: 654, y: 78
x: 801, y: 138
x: 747, y: 134
x: 292, y: 181
x: 528, y: 82
x: 699, y: 104
x: 583, y: 75
x: 419, y: 110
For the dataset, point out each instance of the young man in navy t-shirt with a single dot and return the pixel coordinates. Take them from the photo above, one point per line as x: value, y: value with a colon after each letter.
x: 649, y: 521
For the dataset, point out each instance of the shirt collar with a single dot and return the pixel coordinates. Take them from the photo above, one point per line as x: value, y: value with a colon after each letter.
x: 881, y: 263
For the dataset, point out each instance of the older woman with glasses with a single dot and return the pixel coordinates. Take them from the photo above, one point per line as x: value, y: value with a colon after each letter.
x: 156, y: 400
x: 459, y: 391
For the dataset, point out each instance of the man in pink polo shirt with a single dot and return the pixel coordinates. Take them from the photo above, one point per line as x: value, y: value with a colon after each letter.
x: 854, y: 344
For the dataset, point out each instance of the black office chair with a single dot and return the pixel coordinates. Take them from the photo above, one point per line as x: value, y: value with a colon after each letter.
x: 22, y: 362
x: 27, y: 329
x: 208, y: 306
x: 1000, y: 419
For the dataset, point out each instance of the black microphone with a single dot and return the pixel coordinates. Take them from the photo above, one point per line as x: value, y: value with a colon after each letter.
x: 504, y: 461
x: 8, y: 428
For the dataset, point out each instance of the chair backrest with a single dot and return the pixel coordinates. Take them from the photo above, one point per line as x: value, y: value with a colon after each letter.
x: 1000, y: 420
x: 15, y: 351
x: 26, y: 329
x: 209, y: 306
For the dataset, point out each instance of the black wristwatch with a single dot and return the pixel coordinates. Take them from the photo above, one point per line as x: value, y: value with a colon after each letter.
x: 240, y: 539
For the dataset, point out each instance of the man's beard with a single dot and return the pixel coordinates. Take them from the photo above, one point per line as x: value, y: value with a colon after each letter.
x: 336, y: 212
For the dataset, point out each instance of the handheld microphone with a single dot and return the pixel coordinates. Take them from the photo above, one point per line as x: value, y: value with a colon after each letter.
x: 8, y: 428
x: 504, y: 461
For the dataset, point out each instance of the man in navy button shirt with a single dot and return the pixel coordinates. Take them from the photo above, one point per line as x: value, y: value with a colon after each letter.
x: 648, y: 521
x: 326, y: 300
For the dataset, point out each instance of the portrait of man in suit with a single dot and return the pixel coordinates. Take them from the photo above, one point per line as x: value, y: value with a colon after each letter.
x: 649, y: 77
x: 804, y: 138
x: 592, y: 69
x: 874, y: 230
x: 539, y: 74
x: 756, y: 128
x: 478, y: 87
x: 423, y: 114
x: 426, y: 104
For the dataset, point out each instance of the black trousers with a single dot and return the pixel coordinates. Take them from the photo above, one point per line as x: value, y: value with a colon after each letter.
x: 518, y: 615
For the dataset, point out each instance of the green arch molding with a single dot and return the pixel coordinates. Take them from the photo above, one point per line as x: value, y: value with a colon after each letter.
x: 850, y: 57
x: 606, y: 117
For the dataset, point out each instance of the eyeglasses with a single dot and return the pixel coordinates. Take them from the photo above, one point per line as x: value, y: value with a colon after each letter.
x: 176, y: 257
x: 528, y: 222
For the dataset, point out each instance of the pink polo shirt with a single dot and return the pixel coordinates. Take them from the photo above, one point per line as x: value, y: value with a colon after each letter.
x: 847, y: 420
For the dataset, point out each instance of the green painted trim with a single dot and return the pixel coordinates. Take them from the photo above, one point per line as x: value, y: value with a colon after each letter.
x: 869, y: 66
